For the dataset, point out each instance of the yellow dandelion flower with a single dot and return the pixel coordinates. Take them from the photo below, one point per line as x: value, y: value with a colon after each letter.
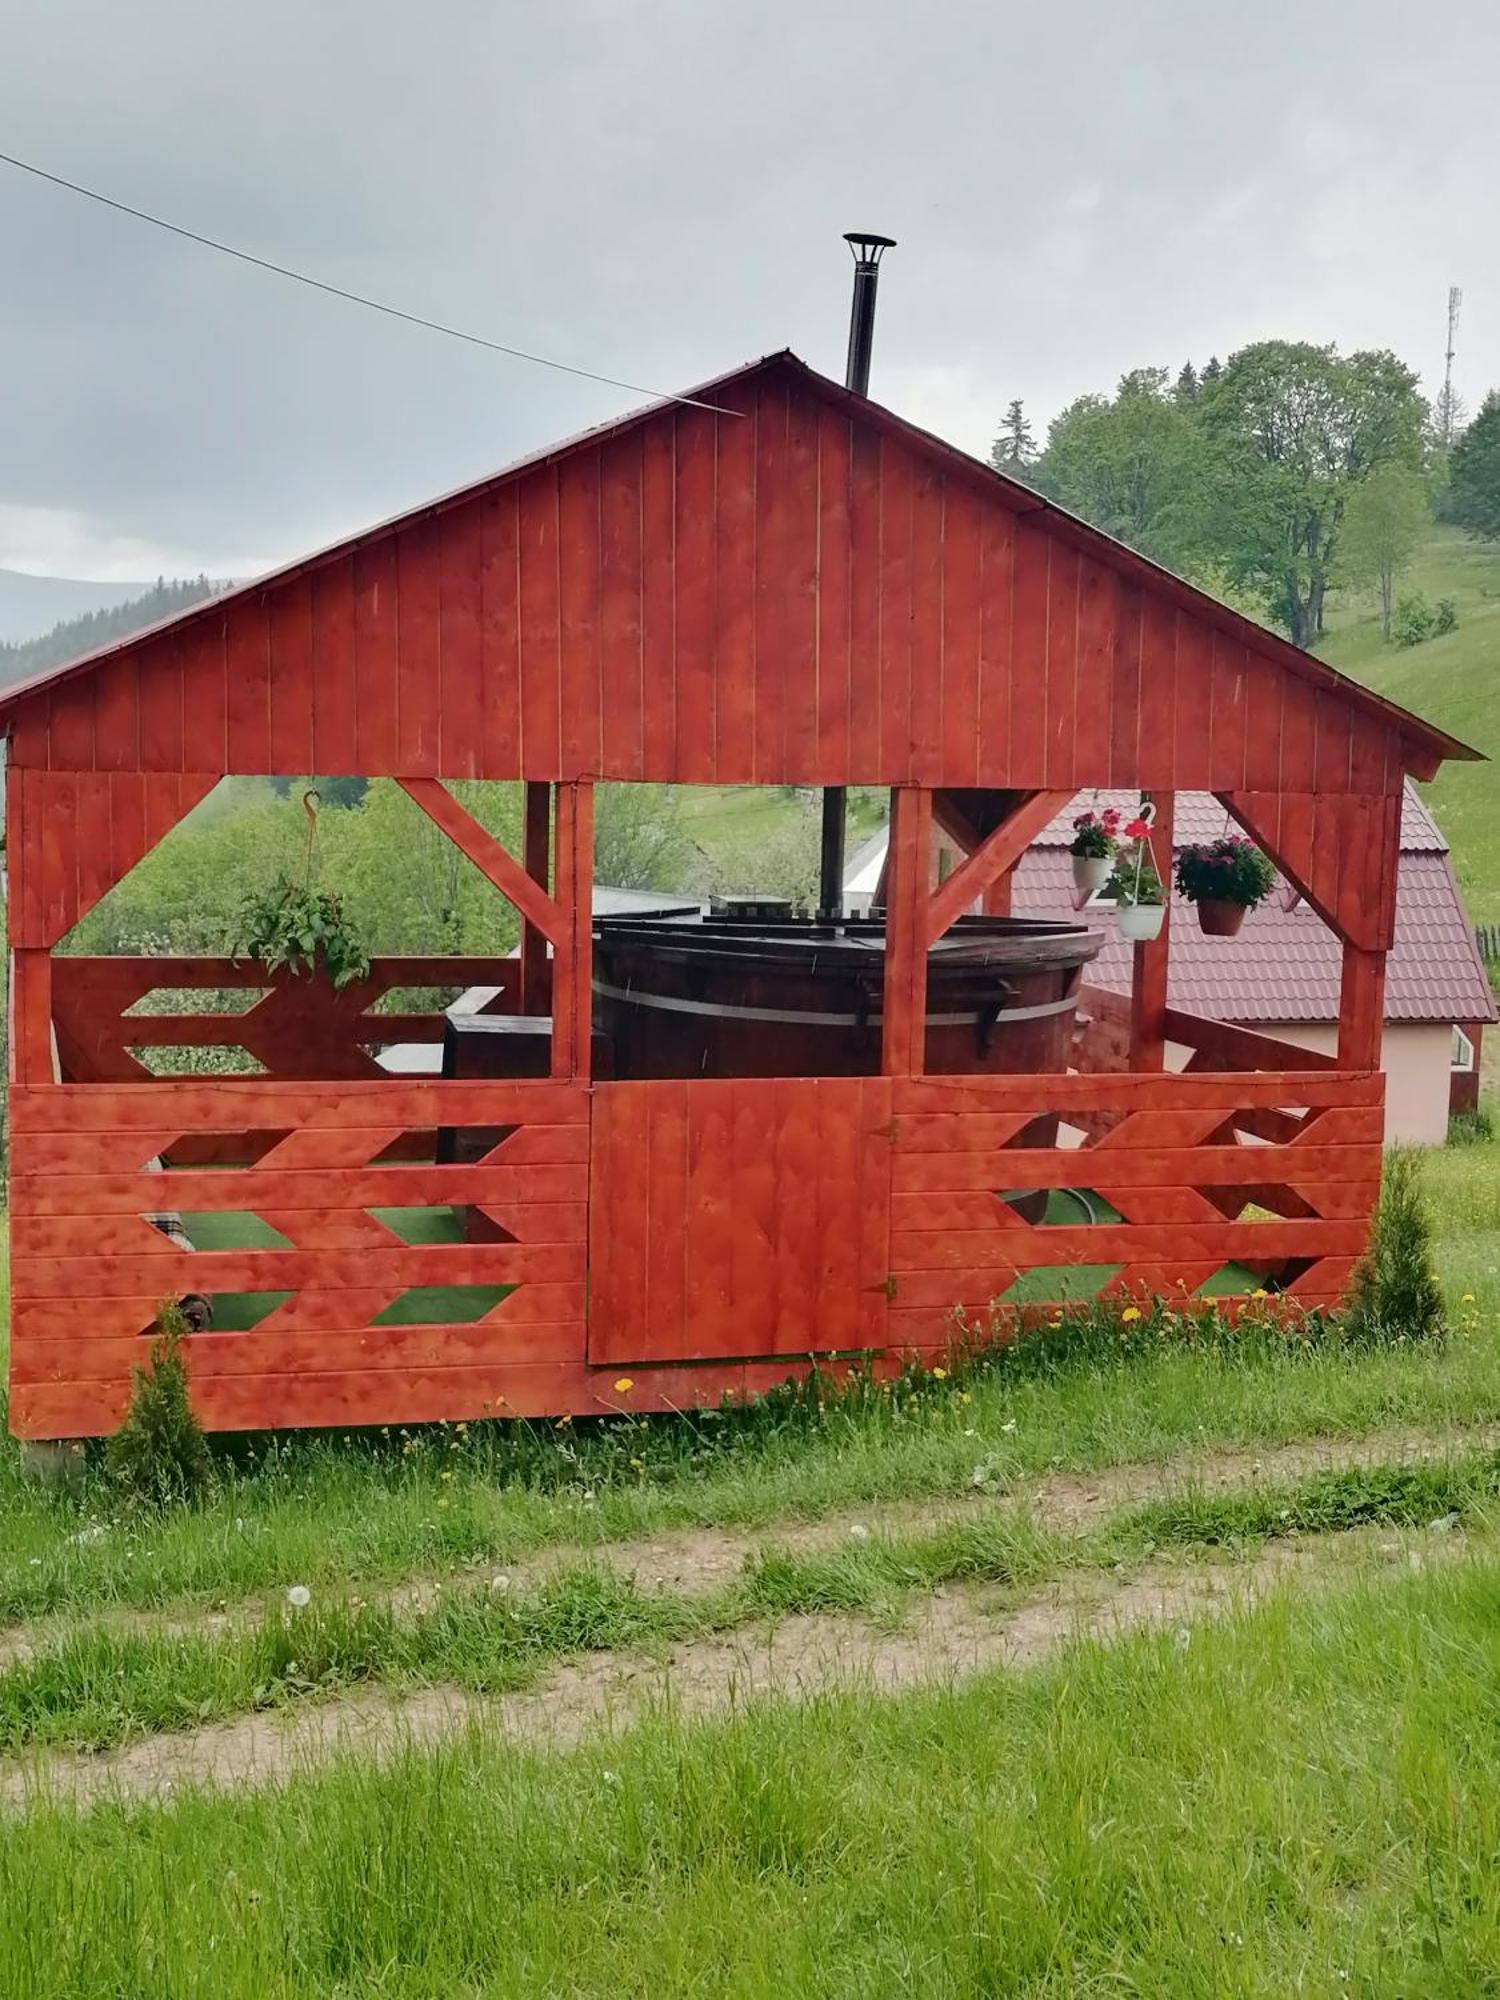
x: 624, y: 1386
x: 1260, y: 1292
x: 964, y: 1396
x: 1468, y: 1298
x: 1130, y: 1313
x: 638, y: 1463
x: 939, y: 1374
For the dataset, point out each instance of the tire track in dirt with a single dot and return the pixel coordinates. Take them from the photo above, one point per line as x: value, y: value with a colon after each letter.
x: 953, y: 1634
x: 697, y: 1561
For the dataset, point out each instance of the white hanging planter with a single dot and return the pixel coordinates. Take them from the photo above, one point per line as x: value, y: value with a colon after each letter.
x: 1091, y: 872
x: 1140, y: 922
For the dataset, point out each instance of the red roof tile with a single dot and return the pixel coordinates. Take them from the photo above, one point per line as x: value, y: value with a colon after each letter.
x: 1284, y: 966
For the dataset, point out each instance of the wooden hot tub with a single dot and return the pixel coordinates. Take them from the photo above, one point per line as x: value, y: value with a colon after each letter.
x: 755, y: 995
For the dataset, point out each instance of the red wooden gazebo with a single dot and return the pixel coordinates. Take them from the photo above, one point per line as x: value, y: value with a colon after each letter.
x: 790, y: 587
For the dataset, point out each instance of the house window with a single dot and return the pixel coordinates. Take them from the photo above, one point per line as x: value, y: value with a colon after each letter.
x: 1463, y: 1051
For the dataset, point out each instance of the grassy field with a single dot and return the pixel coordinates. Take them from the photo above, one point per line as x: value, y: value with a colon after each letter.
x: 1296, y: 1797
x: 1454, y: 682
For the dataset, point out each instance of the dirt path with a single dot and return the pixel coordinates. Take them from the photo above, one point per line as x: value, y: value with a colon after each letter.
x: 953, y: 1633
x: 697, y: 1561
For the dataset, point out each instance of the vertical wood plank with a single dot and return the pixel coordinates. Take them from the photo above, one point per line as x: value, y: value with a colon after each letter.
x: 247, y: 658
x: 1226, y: 748
x: 1125, y: 702
x: 1062, y: 667
x: 333, y: 690
x: 579, y: 564
x: 711, y: 1219
x: 419, y: 597
x: 996, y: 618
x: 69, y: 724
x: 1335, y: 742
x: 895, y: 614
x: 833, y: 587
x: 500, y: 635
x: 1028, y: 652
x: 662, y: 1162
x: 31, y: 1018
x: 1361, y: 1009
x: 375, y: 657
x: 658, y: 602
x: 1299, y: 737
x: 799, y: 584
x: 161, y: 697
x: 117, y: 714
x: 1158, y: 699
x: 957, y: 761
x: 928, y: 527
x: 460, y: 644
x: 866, y: 694
x: 1095, y: 678
x: 535, y: 841
x: 1148, y: 982
x: 541, y: 676
x: 1193, y: 714
x: 903, y: 1036
x: 771, y: 554
x: 289, y: 619
x: 877, y: 1157
x: 694, y: 586
x: 620, y: 608
x: 1263, y: 706
x: 735, y: 566
x: 205, y: 706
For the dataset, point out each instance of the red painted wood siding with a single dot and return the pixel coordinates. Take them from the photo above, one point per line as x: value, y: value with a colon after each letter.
x: 781, y: 595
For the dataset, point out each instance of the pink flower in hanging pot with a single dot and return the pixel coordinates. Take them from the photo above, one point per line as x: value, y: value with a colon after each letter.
x: 1137, y: 829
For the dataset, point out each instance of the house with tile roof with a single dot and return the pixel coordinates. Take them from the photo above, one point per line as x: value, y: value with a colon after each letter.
x: 1281, y: 973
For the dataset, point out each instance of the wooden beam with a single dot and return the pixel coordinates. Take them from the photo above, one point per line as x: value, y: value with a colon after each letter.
x: 995, y: 855
x: 536, y: 836
x: 1148, y: 981
x: 1361, y: 1009
x: 572, y: 965
x: 493, y: 861
x: 908, y: 859
x: 31, y: 1018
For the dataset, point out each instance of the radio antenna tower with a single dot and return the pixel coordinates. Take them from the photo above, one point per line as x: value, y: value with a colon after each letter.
x: 1455, y: 300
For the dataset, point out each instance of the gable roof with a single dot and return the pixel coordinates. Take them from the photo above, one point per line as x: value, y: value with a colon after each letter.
x: 1423, y: 746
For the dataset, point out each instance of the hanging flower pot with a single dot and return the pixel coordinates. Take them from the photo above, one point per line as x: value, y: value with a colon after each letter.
x: 1140, y: 922
x: 1218, y: 918
x: 1224, y: 877
x: 1093, y: 849
x: 1091, y: 872
x: 1139, y: 892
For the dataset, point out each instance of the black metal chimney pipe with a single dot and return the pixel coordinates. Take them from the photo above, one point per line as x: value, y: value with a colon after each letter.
x: 867, y: 250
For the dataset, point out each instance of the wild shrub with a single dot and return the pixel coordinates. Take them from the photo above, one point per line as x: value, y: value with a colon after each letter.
x: 1445, y: 617
x: 1395, y: 1294
x: 1472, y: 1128
x: 159, y: 1454
x: 1415, y: 619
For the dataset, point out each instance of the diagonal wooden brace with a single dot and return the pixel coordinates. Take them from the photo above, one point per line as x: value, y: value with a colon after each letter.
x: 996, y: 854
x: 493, y: 861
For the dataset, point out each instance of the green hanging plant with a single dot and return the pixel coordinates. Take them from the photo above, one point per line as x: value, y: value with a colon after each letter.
x: 296, y: 927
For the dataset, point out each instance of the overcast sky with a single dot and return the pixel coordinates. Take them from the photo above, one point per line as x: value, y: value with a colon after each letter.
x: 657, y: 191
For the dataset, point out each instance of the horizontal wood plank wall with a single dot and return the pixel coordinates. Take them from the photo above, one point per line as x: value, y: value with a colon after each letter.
x: 89, y: 1272
x: 1164, y: 1154
x: 778, y: 595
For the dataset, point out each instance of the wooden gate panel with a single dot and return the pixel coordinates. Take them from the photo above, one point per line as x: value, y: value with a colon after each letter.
x: 738, y: 1219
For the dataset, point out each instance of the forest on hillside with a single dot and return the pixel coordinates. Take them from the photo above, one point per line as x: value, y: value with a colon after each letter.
x: 72, y: 636
x: 1271, y: 479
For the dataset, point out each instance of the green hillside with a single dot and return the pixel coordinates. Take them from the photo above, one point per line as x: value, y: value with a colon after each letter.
x: 1454, y: 682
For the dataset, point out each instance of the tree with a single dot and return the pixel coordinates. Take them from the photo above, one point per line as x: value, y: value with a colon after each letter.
x: 1297, y: 428
x: 1014, y: 451
x: 1473, y: 498
x: 1384, y: 520
x: 1187, y: 384
x: 1133, y: 466
x: 1212, y: 370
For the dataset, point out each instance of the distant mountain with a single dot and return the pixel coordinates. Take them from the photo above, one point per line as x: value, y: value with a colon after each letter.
x: 113, y: 617
x: 31, y: 605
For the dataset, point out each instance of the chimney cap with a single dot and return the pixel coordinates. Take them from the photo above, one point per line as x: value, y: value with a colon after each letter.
x: 865, y: 246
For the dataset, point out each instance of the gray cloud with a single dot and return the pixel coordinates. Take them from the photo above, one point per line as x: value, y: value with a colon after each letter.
x: 657, y: 191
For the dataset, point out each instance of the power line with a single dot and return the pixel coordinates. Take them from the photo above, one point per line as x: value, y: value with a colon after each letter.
x: 353, y: 298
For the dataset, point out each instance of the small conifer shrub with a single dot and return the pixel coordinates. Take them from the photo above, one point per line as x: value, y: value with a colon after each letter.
x: 1395, y: 1294
x: 159, y: 1454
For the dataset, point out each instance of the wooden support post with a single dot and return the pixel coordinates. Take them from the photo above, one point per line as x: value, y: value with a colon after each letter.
x: 908, y: 860
x: 997, y: 895
x: 31, y: 1017
x: 534, y: 857
x: 1148, y: 981
x: 831, y: 857
x: 1361, y: 1009
x: 573, y: 961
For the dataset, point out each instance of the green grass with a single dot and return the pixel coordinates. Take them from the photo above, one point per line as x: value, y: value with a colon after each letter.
x: 94, y: 1686
x: 1453, y: 682
x: 1305, y: 1799
x: 327, y: 1512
